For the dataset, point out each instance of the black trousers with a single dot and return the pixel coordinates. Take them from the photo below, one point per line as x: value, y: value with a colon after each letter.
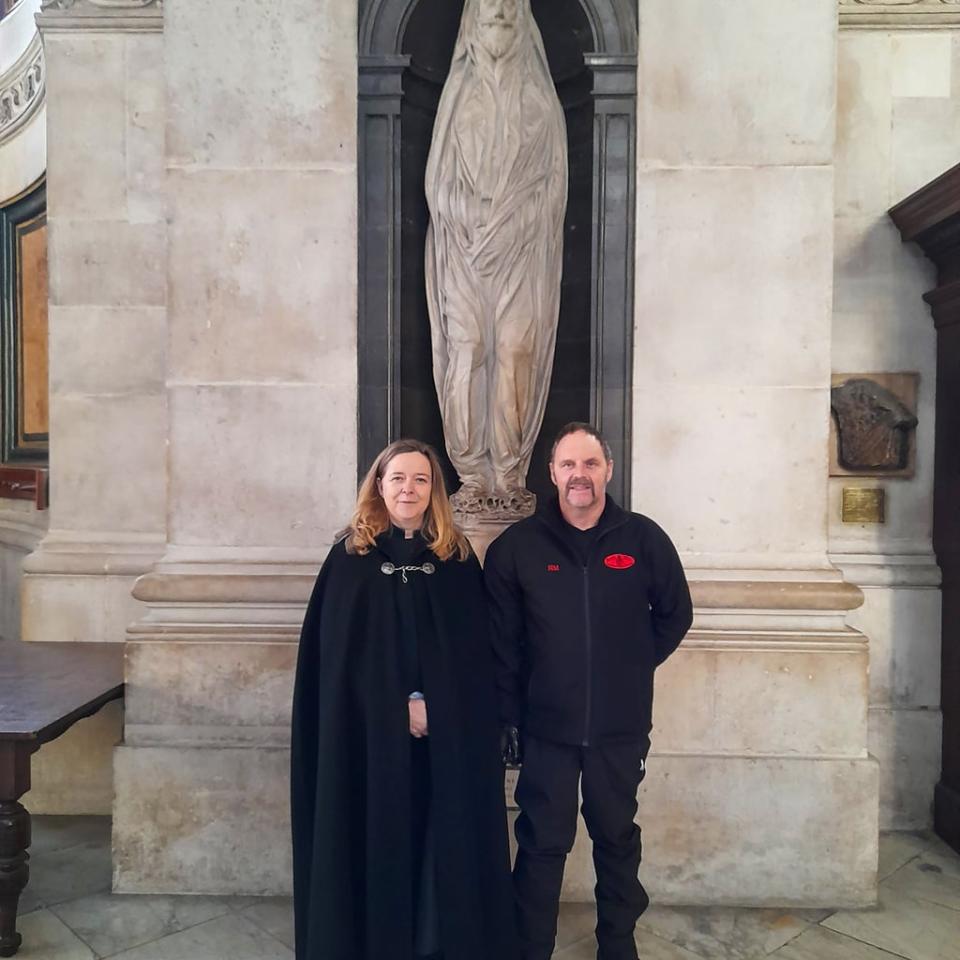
x: 546, y: 828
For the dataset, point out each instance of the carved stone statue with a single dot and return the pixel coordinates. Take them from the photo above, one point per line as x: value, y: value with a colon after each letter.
x: 496, y: 187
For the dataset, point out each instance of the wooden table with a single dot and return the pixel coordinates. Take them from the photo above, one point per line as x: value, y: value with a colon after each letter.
x: 44, y: 689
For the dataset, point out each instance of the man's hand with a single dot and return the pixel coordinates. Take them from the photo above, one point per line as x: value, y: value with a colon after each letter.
x: 418, y: 718
x: 510, y: 752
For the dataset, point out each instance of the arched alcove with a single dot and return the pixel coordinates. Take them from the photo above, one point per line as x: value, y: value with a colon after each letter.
x: 405, y: 52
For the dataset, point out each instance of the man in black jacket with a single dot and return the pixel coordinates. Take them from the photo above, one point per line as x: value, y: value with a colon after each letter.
x: 587, y: 600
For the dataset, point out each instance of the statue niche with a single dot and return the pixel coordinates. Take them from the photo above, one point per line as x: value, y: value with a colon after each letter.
x: 496, y: 187
x: 588, y: 62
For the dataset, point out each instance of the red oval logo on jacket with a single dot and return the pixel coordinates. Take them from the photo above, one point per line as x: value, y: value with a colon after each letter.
x: 619, y: 561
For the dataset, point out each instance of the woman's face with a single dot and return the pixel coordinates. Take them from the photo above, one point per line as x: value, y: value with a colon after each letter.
x: 405, y: 487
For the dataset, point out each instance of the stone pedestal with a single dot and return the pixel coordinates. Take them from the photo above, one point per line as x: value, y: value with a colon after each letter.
x: 481, y: 532
x: 759, y: 755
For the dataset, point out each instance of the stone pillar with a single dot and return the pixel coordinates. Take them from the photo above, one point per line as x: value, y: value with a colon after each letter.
x: 107, y: 319
x: 261, y: 384
x: 760, y: 788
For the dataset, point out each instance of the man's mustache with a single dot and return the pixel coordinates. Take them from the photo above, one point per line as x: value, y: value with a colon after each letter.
x: 579, y: 482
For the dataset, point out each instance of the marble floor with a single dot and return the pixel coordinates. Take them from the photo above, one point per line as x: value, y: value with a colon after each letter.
x: 68, y: 913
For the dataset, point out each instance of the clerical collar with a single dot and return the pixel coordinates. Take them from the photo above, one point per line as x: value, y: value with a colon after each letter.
x: 398, y: 533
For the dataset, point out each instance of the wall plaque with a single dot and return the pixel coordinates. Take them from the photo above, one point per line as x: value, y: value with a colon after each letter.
x: 863, y: 505
x: 873, y: 424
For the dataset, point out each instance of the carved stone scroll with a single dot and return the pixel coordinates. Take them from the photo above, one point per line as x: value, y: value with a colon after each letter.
x: 22, y: 90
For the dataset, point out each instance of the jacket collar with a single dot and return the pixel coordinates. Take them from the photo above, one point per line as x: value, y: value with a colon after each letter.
x: 613, y: 516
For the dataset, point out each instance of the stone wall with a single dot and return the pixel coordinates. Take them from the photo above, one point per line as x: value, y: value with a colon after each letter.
x: 898, y: 128
x: 105, y: 210
x: 107, y: 323
x: 760, y: 737
x: 203, y: 200
x: 73, y: 774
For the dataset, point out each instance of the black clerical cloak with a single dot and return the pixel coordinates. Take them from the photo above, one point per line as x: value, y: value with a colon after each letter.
x: 350, y: 774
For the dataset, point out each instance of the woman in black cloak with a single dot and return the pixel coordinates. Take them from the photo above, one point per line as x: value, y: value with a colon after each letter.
x: 399, y: 826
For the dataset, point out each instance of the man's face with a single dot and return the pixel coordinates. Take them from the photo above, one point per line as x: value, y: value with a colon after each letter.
x: 497, y: 26
x: 580, y: 470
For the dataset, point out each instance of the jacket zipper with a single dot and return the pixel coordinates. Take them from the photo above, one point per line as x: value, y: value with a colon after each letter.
x: 586, y: 618
x: 589, y: 639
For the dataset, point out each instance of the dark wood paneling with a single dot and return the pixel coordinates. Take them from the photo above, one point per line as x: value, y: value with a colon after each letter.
x: 23, y: 329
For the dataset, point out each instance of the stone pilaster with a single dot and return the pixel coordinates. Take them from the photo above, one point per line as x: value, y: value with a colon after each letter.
x: 760, y: 755
x: 261, y: 386
x: 107, y: 316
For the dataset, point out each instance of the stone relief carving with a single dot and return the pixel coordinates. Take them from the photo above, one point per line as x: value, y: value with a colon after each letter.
x: 496, y: 187
x: 22, y: 90
x: 873, y: 426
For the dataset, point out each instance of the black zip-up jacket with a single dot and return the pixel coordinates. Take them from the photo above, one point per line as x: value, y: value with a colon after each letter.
x: 577, y: 643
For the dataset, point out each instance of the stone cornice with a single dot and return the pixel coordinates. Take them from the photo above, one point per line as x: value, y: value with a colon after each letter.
x: 22, y: 90
x: 897, y: 14
x: 68, y: 553
x: 294, y: 588
x: 909, y: 570
x: 101, y: 16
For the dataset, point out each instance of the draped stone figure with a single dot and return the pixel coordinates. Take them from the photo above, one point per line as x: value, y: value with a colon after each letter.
x: 496, y: 187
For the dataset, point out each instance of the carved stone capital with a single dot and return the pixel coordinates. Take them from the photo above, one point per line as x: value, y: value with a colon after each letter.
x: 22, y: 90
x: 101, y: 16
x: 895, y: 14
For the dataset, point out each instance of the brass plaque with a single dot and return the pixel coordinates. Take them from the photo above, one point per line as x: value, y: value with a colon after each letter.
x: 863, y: 505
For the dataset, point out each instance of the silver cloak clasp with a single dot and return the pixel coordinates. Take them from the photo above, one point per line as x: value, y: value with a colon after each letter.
x: 389, y: 569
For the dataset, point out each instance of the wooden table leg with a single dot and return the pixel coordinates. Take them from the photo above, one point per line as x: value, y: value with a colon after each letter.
x: 14, y: 839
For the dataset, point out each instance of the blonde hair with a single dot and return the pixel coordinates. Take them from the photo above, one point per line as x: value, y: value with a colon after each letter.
x: 370, y: 518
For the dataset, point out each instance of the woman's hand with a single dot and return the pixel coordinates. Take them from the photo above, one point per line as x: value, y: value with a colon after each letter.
x: 418, y: 718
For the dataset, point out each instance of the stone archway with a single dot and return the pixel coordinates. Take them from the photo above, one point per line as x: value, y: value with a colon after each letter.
x: 594, y: 44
